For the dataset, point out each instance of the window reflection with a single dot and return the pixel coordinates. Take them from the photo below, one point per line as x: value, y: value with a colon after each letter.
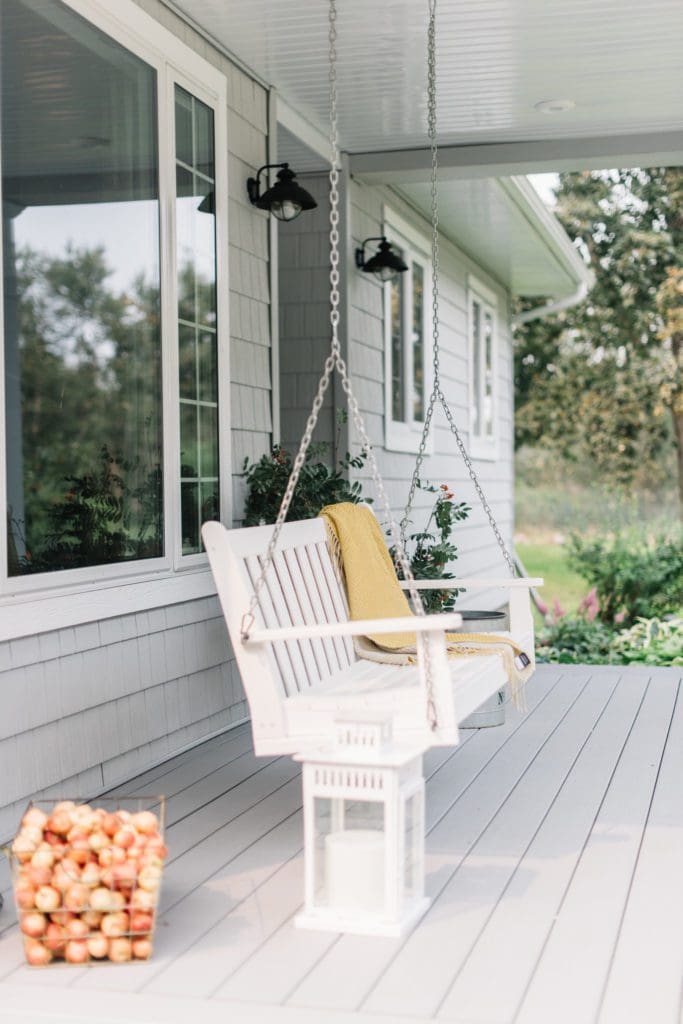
x: 418, y: 343
x: 197, y: 339
x: 397, y: 369
x: 81, y: 294
x: 476, y: 368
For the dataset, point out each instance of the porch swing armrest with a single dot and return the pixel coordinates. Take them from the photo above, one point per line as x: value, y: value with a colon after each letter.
x: 443, y: 622
x: 476, y: 584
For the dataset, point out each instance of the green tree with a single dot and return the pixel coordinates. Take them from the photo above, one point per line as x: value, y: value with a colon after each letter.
x: 90, y: 381
x: 670, y: 306
x: 591, y: 381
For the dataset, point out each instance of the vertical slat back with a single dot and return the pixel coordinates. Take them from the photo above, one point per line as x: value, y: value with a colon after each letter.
x: 337, y: 596
x: 310, y: 606
x: 293, y: 616
x: 287, y: 656
x: 338, y: 655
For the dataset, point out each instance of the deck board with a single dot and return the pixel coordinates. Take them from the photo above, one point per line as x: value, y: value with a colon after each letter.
x: 527, y: 906
x: 553, y: 856
x: 645, y: 978
x: 577, y: 956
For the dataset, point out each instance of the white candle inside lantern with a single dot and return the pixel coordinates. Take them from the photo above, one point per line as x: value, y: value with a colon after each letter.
x: 354, y: 863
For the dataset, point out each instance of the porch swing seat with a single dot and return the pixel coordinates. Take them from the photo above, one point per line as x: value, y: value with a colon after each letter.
x: 299, y: 668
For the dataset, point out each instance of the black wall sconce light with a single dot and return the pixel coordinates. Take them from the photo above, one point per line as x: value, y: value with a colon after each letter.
x: 285, y: 199
x: 386, y: 264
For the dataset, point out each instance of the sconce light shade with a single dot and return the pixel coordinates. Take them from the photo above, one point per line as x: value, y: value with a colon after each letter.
x: 386, y: 264
x: 285, y: 199
x: 208, y: 203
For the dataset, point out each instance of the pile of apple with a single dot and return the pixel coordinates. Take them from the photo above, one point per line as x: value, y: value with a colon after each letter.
x: 87, y: 883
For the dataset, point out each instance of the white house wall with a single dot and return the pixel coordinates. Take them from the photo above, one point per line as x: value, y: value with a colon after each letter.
x: 304, y: 342
x: 304, y: 289
x: 87, y: 707
x: 479, y: 553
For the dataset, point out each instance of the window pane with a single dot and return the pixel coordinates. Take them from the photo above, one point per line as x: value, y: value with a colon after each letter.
x: 183, y: 127
x: 476, y: 369
x: 208, y: 371
x: 187, y: 360
x: 208, y: 441
x: 82, y: 340
x: 189, y: 501
x: 488, y: 376
x: 397, y: 368
x: 196, y: 255
x: 189, y: 461
x: 418, y: 342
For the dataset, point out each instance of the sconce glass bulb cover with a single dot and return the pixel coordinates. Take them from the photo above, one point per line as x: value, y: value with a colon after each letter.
x: 386, y: 264
x: 285, y: 199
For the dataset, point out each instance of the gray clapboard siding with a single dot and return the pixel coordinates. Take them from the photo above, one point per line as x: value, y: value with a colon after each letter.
x: 86, y: 707
x: 478, y: 550
x: 304, y: 343
x: 304, y: 315
x: 114, y: 697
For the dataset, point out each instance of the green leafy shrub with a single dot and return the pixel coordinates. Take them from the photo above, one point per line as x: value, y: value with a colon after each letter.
x: 573, y: 639
x: 635, y: 576
x: 112, y: 513
x: 650, y: 642
x: 318, y: 485
x: 433, y: 548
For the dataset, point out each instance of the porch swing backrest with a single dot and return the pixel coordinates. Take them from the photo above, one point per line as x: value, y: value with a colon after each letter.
x: 302, y: 589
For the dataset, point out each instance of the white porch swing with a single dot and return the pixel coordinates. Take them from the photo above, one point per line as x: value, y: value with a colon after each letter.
x: 288, y: 618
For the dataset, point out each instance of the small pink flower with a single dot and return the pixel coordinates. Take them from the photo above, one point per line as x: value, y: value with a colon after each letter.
x: 558, y: 611
x: 619, y: 618
x: 542, y: 607
x: 591, y: 612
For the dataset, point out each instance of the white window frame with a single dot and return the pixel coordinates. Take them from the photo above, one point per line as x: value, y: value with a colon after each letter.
x: 481, y: 446
x: 46, y: 601
x: 405, y: 435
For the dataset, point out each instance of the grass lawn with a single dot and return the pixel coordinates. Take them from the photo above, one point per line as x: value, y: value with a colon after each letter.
x: 561, y: 582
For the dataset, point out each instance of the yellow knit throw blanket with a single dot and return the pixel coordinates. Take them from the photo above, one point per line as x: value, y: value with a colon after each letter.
x: 374, y: 592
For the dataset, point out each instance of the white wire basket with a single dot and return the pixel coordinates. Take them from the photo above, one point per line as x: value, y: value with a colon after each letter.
x: 87, y: 879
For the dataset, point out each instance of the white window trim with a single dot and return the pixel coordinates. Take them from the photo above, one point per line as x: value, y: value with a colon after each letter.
x: 47, y: 601
x: 482, y: 448
x: 401, y: 436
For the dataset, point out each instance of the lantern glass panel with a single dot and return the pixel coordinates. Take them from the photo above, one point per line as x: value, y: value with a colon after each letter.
x: 363, y: 814
x: 349, y: 854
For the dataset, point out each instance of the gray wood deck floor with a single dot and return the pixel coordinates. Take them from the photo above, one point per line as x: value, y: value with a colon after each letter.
x: 554, y: 858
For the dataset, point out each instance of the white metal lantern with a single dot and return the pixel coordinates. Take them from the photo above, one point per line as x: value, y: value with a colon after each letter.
x: 363, y: 833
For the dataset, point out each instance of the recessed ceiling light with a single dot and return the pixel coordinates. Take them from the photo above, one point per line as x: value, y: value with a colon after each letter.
x: 554, y: 106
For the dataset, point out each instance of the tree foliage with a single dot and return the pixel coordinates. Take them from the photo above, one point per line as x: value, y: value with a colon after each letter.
x: 89, y: 472
x: 601, y: 382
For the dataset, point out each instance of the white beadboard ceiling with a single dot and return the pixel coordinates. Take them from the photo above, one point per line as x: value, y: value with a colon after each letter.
x: 618, y: 60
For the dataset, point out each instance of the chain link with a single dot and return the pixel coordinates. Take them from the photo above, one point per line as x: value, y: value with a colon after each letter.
x: 335, y: 360
x: 437, y: 394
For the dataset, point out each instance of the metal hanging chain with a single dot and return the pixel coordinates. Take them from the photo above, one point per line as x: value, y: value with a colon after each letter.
x: 335, y: 360
x: 437, y: 394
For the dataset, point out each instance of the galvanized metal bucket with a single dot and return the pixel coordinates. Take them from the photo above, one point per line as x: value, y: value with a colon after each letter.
x: 492, y: 711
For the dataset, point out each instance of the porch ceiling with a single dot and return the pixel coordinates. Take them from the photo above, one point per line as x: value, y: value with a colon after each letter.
x: 504, y: 226
x: 618, y: 60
